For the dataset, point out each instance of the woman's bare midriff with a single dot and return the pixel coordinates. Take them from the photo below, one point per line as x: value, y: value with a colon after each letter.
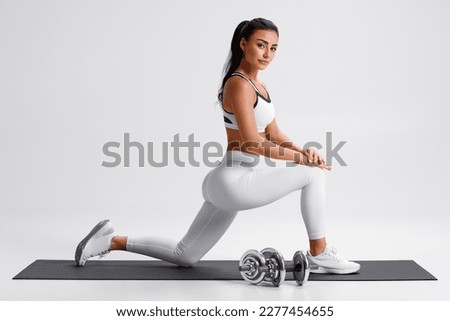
x: 234, y: 140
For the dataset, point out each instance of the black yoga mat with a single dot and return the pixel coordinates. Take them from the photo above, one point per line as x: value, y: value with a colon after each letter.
x: 405, y: 270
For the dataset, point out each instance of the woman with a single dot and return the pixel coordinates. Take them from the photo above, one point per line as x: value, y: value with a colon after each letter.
x: 243, y: 180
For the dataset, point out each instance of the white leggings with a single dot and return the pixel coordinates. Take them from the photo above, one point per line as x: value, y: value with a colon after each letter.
x: 240, y: 182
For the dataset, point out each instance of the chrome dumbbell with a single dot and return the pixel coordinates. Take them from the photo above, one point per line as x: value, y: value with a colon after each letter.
x: 269, y: 265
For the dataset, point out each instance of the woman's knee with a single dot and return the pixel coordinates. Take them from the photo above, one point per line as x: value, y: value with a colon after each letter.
x: 317, y: 174
x: 187, y: 260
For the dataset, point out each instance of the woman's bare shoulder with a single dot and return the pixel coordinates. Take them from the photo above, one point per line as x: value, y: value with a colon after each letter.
x: 237, y: 88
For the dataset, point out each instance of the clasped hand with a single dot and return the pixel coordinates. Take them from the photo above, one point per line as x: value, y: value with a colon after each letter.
x: 314, y: 159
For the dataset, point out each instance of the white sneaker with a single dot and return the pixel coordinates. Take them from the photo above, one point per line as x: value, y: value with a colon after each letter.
x: 329, y: 261
x: 97, y: 242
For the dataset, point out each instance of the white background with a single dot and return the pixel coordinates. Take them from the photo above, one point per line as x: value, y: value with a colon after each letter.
x: 75, y: 75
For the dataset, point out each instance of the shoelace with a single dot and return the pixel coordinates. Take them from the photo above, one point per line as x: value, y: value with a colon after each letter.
x: 334, y: 254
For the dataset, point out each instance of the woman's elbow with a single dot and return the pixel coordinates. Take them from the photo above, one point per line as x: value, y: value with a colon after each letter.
x: 273, y: 136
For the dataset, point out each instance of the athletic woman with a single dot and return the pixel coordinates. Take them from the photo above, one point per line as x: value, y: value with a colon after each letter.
x: 245, y: 178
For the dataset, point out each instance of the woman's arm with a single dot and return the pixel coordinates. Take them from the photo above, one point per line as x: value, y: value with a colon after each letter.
x: 275, y: 135
x: 240, y: 96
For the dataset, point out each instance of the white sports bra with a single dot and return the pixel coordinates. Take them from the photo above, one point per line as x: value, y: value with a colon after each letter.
x: 263, y: 109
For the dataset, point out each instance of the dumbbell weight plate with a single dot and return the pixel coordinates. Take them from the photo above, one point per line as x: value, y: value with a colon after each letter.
x: 301, y: 274
x: 278, y: 270
x: 251, y: 266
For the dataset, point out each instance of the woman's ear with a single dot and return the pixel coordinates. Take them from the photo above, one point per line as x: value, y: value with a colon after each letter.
x: 243, y: 43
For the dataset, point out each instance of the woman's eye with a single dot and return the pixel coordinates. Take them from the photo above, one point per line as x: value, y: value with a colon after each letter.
x: 260, y: 45
x: 274, y: 49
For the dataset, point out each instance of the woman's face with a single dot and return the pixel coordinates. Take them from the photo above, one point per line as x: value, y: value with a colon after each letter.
x: 261, y: 48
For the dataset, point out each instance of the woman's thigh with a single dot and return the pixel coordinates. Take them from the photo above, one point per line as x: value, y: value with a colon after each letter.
x: 241, y: 189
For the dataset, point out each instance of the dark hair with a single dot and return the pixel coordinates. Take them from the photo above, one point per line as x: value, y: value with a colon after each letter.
x: 244, y: 30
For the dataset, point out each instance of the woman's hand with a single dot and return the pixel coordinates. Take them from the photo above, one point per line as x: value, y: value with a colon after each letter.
x: 314, y: 159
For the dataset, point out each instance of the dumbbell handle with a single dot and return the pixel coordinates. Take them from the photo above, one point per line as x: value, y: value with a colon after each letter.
x: 246, y: 268
x: 290, y: 267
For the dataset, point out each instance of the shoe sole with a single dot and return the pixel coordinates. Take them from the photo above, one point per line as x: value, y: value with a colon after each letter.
x: 82, y: 244
x: 323, y: 270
